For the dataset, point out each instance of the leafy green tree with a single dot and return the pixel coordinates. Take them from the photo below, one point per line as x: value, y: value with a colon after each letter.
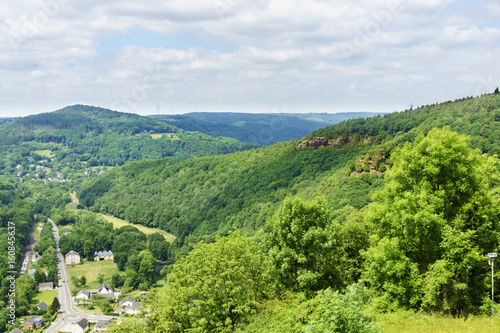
x: 89, y: 249
x: 147, y: 270
x: 55, y: 306
x: 75, y: 280
x: 301, y: 250
x: 83, y: 280
x: 100, y: 278
x: 433, y: 220
x: 116, y: 281
x: 211, y: 290
x: 131, y: 325
x: 39, y: 276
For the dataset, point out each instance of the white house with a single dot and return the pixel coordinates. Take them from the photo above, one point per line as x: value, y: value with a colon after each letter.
x: 127, y: 301
x: 72, y: 258
x: 83, y: 295
x: 134, y: 308
x: 104, y: 289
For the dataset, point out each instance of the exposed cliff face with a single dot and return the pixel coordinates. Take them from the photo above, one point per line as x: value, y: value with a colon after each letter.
x: 322, y: 142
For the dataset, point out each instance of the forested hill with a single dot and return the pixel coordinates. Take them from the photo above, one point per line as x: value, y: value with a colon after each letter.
x: 211, y: 195
x: 103, y: 137
x: 477, y: 117
x: 258, y: 128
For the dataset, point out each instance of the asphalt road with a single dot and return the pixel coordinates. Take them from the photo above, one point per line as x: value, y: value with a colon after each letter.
x: 69, y: 314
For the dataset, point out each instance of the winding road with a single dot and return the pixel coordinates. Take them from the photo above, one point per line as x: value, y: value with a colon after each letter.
x: 69, y: 314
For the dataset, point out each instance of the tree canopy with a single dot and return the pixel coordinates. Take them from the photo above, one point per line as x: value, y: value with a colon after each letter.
x: 435, y: 217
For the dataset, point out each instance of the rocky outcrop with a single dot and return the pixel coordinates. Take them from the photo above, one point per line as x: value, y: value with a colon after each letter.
x: 316, y: 143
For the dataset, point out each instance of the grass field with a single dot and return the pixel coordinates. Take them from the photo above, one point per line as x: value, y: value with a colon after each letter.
x: 46, y: 296
x: 118, y: 223
x: 91, y: 270
x: 168, y: 135
x: 73, y: 203
x: 44, y: 153
x: 408, y: 322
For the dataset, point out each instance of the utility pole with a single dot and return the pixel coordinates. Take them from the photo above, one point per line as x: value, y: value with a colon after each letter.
x: 491, y: 261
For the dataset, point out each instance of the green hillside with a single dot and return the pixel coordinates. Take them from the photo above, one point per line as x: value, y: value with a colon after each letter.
x: 258, y: 128
x: 211, y: 195
x: 85, y: 140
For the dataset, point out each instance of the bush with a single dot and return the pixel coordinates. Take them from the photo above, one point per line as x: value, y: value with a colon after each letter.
x: 342, y: 313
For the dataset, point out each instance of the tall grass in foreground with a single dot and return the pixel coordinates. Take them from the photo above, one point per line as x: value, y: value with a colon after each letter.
x: 410, y: 322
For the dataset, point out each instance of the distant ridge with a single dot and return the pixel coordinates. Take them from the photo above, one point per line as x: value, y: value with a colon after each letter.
x: 258, y: 128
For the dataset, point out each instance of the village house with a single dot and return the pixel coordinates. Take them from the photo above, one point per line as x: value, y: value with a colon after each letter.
x: 46, y: 286
x: 80, y: 327
x: 134, y: 308
x: 42, y: 306
x: 31, y: 272
x: 104, y: 289
x: 33, y: 322
x: 72, y: 258
x: 127, y: 301
x: 65, y: 231
x: 102, y: 325
x: 83, y: 295
x: 103, y: 255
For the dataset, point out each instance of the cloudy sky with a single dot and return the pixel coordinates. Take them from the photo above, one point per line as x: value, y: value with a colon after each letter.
x: 177, y: 56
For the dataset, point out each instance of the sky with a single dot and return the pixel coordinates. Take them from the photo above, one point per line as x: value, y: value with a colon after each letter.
x: 179, y: 56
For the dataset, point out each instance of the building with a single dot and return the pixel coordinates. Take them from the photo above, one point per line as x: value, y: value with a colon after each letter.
x: 120, y: 311
x: 127, y: 301
x: 42, y: 306
x: 33, y: 323
x: 72, y: 258
x: 31, y: 272
x: 46, y: 286
x: 83, y: 295
x: 103, y: 255
x: 102, y: 325
x: 80, y: 327
x: 65, y: 231
x: 104, y: 289
x: 134, y: 308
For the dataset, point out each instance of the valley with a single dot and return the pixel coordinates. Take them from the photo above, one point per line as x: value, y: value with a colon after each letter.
x: 388, y: 218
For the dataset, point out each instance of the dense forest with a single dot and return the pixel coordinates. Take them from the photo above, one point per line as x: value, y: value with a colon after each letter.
x: 401, y: 203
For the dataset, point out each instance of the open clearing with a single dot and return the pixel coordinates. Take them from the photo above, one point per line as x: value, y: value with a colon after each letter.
x: 46, y: 296
x: 167, y: 135
x: 118, y: 223
x: 409, y: 322
x: 91, y: 269
x: 44, y: 153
